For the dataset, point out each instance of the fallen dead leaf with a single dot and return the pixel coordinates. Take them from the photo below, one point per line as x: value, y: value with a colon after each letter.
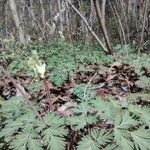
x: 66, y: 108
x: 116, y: 64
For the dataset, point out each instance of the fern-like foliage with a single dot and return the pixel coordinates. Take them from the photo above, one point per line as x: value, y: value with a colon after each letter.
x: 107, y: 109
x: 122, y: 123
x: 128, y: 124
x: 96, y: 140
x: 141, y: 138
x: 21, y: 129
x: 83, y: 116
x: 59, y: 77
x: 101, y: 124
x: 24, y: 140
x: 84, y: 91
x: 53, y: 131
x: 83, y: 112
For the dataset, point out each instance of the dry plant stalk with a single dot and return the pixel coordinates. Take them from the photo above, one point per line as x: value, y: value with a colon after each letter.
x: 21, y: 91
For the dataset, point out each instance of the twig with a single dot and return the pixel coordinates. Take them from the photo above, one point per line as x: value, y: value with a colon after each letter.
x: 116, y: 14
x: 34, y: 19
x: 21, y: 91
x: 143, y: 26
x: 3, y: 7
x: 48, y: 93
x: 89, y: 83
x: 143, y: 45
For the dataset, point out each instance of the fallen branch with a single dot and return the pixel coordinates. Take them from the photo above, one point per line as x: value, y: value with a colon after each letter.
x: 89, y: 84
x: 21, y: 91
x: 88, y: 26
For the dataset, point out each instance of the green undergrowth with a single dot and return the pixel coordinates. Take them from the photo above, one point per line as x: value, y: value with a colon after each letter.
x: 97, y: 123
x: 58, y: 56
x: 63, y: 59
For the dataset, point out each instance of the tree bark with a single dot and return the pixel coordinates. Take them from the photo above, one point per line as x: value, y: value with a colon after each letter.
x: 89, y: 28
x: 17, y: 21
x: 143, y: 26
x: 101, y: 18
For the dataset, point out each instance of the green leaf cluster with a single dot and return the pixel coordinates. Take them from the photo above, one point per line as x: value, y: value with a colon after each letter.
x: 21, y: 129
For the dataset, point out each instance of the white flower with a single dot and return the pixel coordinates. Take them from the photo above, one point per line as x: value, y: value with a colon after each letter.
x: 41, y: 69
x: 61, y: 34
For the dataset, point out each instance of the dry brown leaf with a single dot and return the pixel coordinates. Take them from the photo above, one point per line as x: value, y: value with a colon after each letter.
x: 116, y: 64
x: 66, y: 108
x: 110, y: 77
x: 18, y: 93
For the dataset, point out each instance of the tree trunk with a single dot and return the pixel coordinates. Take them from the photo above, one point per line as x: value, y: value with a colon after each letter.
x: 101, y: 19
x: 17, y: 21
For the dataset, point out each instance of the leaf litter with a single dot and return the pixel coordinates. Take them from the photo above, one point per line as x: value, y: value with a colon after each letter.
x: 117, y: 79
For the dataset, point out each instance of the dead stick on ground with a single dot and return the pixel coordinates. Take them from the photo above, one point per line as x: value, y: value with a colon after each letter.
x: 20, y: 90
x: 48, y: 94
x: 89, y: 84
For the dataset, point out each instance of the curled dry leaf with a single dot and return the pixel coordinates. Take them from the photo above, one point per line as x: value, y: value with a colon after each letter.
x: 18, y: 93
x: 116, y: 64
x: 65, y: 109
x: 110, y: 77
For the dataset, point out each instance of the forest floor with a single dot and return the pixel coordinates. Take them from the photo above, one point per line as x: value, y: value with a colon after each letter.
x: 75, y: 73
